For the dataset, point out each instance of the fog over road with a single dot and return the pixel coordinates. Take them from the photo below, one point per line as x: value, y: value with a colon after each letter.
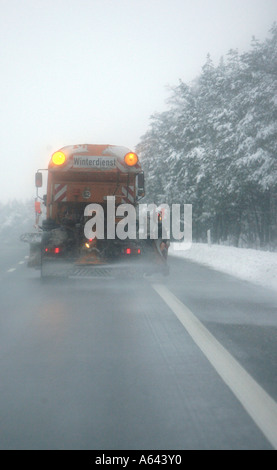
x: 107, y: 364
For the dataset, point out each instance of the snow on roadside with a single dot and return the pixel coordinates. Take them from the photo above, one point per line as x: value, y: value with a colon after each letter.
x: 259, y: 267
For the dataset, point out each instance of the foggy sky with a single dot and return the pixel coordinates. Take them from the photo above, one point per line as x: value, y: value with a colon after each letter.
x: 93, y: 71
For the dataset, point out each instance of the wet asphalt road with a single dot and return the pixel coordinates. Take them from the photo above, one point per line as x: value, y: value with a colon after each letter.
x: 101, y: 364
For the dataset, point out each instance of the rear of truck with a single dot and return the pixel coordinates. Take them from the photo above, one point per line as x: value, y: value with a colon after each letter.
x: 78, y: 177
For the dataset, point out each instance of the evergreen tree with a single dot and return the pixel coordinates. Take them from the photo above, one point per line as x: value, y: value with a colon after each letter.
x: 216, y: 147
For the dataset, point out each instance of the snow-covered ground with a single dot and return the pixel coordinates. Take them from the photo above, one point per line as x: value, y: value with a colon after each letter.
x: 259, y: 267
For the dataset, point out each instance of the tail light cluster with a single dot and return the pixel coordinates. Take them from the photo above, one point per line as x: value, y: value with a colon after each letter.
x: 53, y: 250
x: 132, y: 251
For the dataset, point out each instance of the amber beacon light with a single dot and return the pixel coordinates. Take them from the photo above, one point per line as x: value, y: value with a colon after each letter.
x: 58, y: 158
x: 131, y: 159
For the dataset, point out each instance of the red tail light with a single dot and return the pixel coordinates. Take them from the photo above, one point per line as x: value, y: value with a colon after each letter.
x: 55, y: 250
x: 132, y: 251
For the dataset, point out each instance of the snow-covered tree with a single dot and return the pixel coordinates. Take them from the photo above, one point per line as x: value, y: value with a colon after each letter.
x: 216, y: 147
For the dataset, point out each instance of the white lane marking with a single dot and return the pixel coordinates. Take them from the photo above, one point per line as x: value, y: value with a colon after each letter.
x: 258, y: 404
x: 21, y: 262
x: 11, y: 270
x: 26, y: 257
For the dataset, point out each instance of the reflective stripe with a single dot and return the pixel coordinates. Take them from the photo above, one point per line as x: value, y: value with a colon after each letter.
x: 60, y: 192
x: 129, y: 195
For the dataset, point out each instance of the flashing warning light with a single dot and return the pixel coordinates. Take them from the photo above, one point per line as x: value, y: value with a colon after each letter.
x: 131, y: 159
x: 128, y: 251
x: 139, y: 252
x: 58, y: 158
x: 56, y: 250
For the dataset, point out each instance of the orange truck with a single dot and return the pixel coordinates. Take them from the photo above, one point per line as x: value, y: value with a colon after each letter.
x: 85, y: 181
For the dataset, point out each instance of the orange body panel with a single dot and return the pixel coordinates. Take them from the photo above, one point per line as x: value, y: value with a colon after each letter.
x: 89, y: 174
